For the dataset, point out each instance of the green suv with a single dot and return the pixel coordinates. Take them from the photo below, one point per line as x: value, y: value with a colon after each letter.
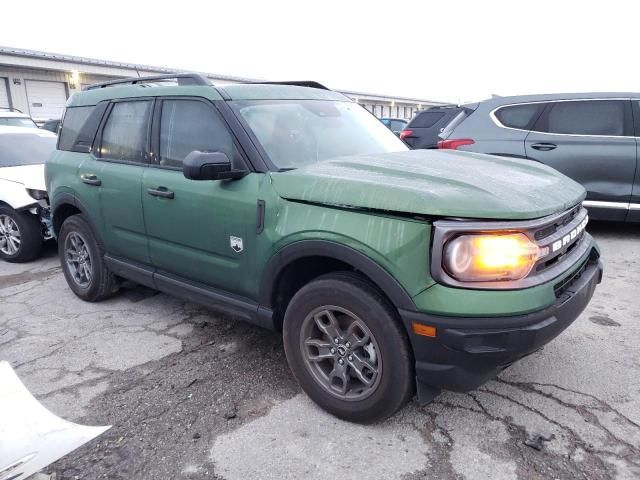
x: 388, y: 271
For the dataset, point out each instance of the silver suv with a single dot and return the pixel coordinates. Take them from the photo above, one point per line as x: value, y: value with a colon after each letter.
x: 590, y: 137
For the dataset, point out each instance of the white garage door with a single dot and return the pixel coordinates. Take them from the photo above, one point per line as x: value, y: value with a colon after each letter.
x: 46, y: 99
x: 4, y: 95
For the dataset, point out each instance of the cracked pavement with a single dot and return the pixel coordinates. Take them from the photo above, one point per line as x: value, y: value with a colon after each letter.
x: 194, y: 394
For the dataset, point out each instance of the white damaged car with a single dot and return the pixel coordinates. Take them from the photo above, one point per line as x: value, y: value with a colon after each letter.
x: 24, y: 206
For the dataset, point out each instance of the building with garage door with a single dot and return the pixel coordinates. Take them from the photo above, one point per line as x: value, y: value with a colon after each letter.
x: 39, y: 83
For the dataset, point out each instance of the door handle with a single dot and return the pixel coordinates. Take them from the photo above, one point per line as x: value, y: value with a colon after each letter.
x: 90, y: 179
x: 544, y: 147
x: 162, y: 192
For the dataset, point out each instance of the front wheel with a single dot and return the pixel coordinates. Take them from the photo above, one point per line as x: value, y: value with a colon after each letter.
x: 20, y: 235
x: 347, y: 350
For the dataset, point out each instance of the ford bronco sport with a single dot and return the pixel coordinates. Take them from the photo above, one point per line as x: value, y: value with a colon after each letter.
x: 388, y: 271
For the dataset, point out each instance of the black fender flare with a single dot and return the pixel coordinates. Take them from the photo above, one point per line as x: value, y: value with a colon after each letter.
x: 62, y: 198
x: 67, y: 198
x: 326, y: 248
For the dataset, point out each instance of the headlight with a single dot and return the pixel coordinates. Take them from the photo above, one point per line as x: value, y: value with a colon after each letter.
x: 490, y: 257
x: 37, y: 194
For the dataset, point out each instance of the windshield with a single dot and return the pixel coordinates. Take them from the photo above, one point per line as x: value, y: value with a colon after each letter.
x: 296, y: 133
x: 17, y: 122
x: 25, y: 149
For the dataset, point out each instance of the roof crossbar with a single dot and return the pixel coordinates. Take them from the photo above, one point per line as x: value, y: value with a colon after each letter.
x: 183, y: 79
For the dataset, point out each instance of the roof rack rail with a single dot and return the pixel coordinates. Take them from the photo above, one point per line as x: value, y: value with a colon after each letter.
x: 183, y: 79
x: 11, y: 109
x: 297, y: 83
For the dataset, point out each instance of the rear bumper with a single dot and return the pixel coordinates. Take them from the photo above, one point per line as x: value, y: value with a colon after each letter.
x: 469, y: 351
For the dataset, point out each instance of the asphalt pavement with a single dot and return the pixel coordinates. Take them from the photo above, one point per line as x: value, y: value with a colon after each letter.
x: 193, y: 394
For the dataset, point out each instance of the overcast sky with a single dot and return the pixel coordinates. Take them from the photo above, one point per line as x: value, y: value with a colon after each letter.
x: 446, y: 51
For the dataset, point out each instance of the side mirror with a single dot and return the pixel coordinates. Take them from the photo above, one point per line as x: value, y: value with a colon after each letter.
x: 209, y: 166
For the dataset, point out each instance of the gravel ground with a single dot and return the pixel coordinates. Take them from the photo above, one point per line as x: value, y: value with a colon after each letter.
x: 192, y: 394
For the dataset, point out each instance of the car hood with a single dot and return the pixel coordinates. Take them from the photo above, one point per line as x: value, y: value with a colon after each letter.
x: 434, y: 182
x: 31, y: 176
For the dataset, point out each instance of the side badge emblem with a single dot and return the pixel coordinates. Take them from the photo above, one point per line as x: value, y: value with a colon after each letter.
x: 236, y: 244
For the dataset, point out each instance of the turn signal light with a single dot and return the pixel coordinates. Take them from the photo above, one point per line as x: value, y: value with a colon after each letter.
x: 424, y: 330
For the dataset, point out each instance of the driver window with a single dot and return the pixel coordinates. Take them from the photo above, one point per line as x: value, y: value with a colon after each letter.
x: 188, y: 125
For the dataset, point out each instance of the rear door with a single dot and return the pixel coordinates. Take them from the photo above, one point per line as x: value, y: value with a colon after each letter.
x: 592, y: 141
x: 122, y: 154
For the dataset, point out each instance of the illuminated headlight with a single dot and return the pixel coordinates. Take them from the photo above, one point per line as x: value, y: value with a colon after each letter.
x: 37, y: 194
x: 491, y: 257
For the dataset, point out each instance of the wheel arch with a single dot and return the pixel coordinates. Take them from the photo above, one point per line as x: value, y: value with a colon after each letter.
x: 65, y: 205
x: 301, y: 261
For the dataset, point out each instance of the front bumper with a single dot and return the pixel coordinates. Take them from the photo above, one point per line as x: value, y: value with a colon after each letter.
x: 467, y: 352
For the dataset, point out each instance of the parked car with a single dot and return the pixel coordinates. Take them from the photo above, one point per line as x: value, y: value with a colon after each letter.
x: 15, y: 118
x: 386, y: 270
x: 24, y: 209
x: 396, y: 125
x: 590, y: 137
x: 424, y: 128
x: 51, y: 125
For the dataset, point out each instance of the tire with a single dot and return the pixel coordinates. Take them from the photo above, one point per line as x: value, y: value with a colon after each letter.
x: 85, y: 270
x: 22, y: 227
x: 356, y: 303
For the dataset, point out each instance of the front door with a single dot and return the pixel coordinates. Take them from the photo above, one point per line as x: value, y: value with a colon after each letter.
x: 122, y: 156
x: 592, y: 142
x: 203, y: 231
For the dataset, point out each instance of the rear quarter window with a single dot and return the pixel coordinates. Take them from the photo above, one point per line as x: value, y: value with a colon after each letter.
x: 519, y: 116
x: 426, y: 119
x: 74, y: 119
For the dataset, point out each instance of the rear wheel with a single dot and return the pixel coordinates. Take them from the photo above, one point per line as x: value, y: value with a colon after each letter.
x: 82, y: 258
x: 347, y: 350
x: 20, y: 235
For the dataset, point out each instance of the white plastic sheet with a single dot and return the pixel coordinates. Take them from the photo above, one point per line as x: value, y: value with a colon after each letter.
x: 31, y: 437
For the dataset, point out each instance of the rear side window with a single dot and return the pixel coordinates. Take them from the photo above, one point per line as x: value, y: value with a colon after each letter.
x: 188, y: 125
x: 592, y: 117
x: 426, y: 119
x: 74, y: 119
x: 519, y: 116
x: 125, y: 133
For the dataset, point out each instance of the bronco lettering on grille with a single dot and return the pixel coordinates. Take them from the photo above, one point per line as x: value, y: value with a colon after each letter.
x: 570, y: 237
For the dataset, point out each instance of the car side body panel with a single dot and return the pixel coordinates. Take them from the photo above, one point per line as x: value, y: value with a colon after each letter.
x: 15, y: 195
x: 395, y: 244
x: 487, y: 137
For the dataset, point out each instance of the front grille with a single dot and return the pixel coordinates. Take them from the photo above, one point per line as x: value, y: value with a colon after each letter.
x: 557, y: 224
x: 560, y: 231
x: 544, y: 264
